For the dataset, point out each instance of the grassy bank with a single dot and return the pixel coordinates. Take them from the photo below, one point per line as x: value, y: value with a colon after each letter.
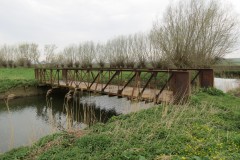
x: 205, y: 128
x: 10, y: 78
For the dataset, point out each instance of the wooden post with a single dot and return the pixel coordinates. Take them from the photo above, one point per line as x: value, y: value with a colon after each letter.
x: 180, y: 85
x: 206, y: 78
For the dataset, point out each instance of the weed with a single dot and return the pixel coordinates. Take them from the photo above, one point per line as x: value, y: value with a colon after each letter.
x: 212, y: 91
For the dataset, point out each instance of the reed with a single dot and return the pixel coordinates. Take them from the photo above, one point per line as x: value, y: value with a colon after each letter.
x: 6, y: 100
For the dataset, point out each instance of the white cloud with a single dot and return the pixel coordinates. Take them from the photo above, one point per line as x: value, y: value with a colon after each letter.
x: 63, y: 22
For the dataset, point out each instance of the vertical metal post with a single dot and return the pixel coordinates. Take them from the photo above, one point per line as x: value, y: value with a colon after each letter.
x: 206, y: 78
x: 88, y: 79
x: 51, y: 77
x: 180, y: 85
x: 41, y: 75
x: 76, y: 78
x: 65, y: 76
x: 44, y: 75
x: 36, y: 73
x: 58, y: 76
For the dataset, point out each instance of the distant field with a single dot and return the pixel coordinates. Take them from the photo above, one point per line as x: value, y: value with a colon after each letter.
x: 16, y: 73
x: 10, y: 78
x: 229, y: 68
x: 231, y: 62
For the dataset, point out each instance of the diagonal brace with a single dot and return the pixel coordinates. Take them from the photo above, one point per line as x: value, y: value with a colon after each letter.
x: 94, y: 80
x: 129, y: 81
x: 113, y: 76
x: 154, y: 74
x: 157, y: 96
x: 195, y: 77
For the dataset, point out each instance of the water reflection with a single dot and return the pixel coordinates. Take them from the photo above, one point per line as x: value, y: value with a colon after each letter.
x: 35, y: 117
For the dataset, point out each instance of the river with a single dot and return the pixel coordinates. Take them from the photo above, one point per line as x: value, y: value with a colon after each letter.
x: 31, y: 118
x: 226, y: 84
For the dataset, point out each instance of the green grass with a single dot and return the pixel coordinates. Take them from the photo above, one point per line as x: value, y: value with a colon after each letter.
x: 235, y: 92
x: 208, y: 127
x: 10, y: 78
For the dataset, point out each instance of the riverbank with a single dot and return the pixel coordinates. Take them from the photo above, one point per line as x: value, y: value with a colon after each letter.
x: 16, y: 77
x: 205, y: 128
x: 23, y: 91
x: 19, y: 82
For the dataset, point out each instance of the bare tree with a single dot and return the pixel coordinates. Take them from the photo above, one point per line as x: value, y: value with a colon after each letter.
x: 69, y: 53
x: 34, y: 53
x: 141, y: 49
x: 23, y: 50
x: 28, y: 53
x: 110, y: 54
x: 79, y: 55
x: 130, y: 53
x: 116, y: 51
x: 59, y: 59
x: 23, y: 54
x: 194, y: 33
x: 126, y: 51
x: 85, y: 54
x: 88, y: 54
x: 3, y: 56
x: 101, y: 54
x: 8, y: 55
x: 49, y: 51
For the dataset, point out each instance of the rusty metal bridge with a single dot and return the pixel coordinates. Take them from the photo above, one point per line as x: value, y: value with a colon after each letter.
x: 153, y: 85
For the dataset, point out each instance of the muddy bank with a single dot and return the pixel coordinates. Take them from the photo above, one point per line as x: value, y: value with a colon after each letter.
x: 24, y: 92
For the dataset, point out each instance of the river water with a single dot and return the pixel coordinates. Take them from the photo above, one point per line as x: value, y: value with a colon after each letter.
x: 31, y: 118
x: 226, y: 84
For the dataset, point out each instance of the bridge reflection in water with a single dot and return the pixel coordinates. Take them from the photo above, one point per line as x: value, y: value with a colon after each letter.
x: 83, y: 109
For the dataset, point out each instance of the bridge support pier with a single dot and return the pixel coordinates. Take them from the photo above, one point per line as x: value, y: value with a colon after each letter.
x: 180, y: 85
x: 206, y: 78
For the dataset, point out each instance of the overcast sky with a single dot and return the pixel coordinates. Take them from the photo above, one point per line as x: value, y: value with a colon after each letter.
x: 64, y: 22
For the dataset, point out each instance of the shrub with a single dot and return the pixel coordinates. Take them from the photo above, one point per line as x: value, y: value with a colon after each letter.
x: 69, y: 64
x: 213, y: 91
x: 10, y: 63
x: 77, y: 64
x: 4, y: 64
x: 21, y: 62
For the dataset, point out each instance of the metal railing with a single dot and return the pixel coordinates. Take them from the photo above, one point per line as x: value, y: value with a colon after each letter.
x: 143, y: 84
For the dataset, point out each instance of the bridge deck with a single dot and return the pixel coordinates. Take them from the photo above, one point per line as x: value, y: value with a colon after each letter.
x: 112, y: 90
